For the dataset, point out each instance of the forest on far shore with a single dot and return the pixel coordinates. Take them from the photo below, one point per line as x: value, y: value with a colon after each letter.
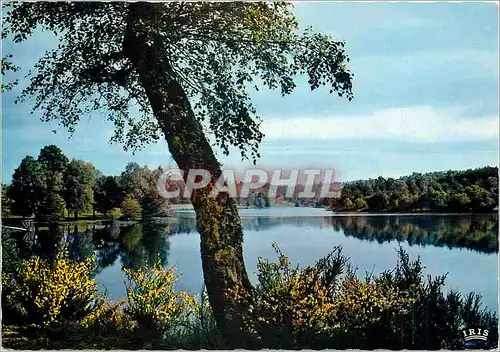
x: 52, y: 188
x: 444, y: 191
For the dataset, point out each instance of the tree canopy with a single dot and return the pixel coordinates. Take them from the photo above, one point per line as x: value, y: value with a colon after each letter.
x: 218, y: 52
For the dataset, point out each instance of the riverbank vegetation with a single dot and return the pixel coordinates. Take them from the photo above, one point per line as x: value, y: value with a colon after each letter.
x: 53, y: 302
x: 445, y: 191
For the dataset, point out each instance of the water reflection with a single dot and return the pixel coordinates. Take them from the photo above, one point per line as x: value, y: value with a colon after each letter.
x: 140, y: 244
x: 475, y: 232
x: 479, y: 233
x: 367, y: 240
x: 135, y: 245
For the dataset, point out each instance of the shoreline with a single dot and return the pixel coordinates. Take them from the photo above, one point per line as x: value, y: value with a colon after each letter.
x: 187, y: 210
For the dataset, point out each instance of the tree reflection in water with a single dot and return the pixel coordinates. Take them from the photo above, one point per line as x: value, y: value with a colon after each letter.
x: 475, y: 232
x: 141, y: 244
x: 136, y: 245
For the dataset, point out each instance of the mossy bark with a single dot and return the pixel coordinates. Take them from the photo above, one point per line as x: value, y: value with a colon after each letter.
x: 217, y: 218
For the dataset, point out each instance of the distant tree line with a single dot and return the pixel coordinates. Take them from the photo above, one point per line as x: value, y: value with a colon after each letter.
x: 52, y: 187
x: 461, y: 191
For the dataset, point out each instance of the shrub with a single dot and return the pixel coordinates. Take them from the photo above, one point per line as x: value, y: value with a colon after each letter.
x: 50, y: 293
x: 130, y: 209
x: 327, y: 306
x: 361, y: 204
x: 288, y: 303
x: 154, y: 304
x: 115, y: 214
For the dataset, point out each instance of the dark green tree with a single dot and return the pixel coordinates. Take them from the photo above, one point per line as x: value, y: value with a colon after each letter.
x: 53, y: 159
x: 52, y: 207
x: 469, y: 190
x: 54, y: 164
x: 480, y: 197
x: 28, y: 188
x: 108, y: 194
x: 153, y: 204
x: 181, y: 64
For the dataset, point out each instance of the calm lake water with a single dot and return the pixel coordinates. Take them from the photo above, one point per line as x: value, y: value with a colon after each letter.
x: 464, y: 246
x: 306, y: 234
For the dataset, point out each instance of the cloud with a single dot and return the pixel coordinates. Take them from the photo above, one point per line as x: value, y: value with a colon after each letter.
x: 423, y: 124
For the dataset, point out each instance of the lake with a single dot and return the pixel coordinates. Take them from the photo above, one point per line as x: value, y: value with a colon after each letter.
x: 464, y: 246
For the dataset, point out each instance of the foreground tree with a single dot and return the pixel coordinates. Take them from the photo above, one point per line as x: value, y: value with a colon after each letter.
x: 182, y: 64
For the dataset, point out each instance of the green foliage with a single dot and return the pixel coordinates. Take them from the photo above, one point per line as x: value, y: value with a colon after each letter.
x: 28, y: 188
x: 53, y: 159
x: 136, y: 181
x: 6, y: 201
x: 7, y: 66
x: 11, y: 254
x: 321, y: 306
x: 66, y: 308
x: 108, y: 318
x: 78, y: 186
x: 464, y: 191
x: 154, y: 205
x: 224, y: 51
x: 348, y: 204
x: 130, y: 209
x: 108, y: 194
x: 202, y: 331
x: 115, y: 214
x: 361, y: 203
x: 38, y: 186
x: 52, y: 208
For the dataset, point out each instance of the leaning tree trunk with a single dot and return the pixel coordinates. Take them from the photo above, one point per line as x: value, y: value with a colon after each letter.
x: 218, y: 221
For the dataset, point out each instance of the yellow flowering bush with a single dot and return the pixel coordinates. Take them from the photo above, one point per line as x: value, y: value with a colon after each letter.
x: 308, y: 307
x: 359, y: 303
x: 289, y: 303
x: 152, y: 301
x: 50, y: 292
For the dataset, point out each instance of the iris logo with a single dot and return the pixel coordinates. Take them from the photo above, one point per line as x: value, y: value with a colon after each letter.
x: 475, y: 338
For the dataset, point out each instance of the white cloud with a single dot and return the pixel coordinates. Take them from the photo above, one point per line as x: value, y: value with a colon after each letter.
x: 422, y: 124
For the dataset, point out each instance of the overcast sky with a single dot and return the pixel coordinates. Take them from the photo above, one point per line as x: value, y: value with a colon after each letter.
x: 426, y: 99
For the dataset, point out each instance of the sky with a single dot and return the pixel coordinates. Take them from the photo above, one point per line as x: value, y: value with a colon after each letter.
x: 426, y: 93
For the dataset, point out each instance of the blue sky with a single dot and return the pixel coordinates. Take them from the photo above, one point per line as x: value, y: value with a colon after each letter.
x: 426, y: 98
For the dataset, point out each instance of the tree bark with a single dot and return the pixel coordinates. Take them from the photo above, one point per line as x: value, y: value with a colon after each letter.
x: 217, y: 219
